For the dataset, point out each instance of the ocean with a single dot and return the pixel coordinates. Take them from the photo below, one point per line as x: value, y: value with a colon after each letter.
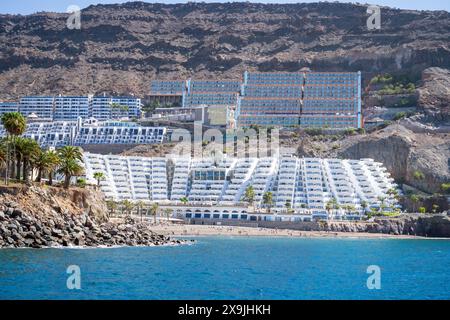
x: 234, y: 268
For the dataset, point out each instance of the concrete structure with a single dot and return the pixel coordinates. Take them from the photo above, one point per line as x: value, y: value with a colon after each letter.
x: 305, y: 186
x: 91, y: 131
x: 70, y: 108
x: 307, y: 99
x: 6, y: 107
x: 41, y: 106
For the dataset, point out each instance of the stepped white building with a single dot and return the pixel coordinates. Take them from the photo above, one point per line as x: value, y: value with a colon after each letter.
x: 298, y: 184
x: 91, y: 131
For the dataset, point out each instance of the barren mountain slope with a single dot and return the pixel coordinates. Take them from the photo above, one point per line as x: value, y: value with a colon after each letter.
x: 121, y: 47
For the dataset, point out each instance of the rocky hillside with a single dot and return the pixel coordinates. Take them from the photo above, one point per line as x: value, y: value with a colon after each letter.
x: 47, y: 200
x: 434, y: 94
x: 121, y: 47
x: 420, y: 160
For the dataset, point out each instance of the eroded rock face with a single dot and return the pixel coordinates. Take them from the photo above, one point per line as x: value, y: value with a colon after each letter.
x: 434, y: 94
x: 404, y: 154
x: 48, y: 217
x: 121, y: 47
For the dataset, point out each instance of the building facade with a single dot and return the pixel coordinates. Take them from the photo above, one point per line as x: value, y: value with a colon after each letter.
x: 297, y: 184
x: 91, y: 131
x: 70, y: 108
x: 306, y: 99
x: 6, y: 107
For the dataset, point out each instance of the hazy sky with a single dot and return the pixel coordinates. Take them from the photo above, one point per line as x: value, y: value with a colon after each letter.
x: 31, y: 6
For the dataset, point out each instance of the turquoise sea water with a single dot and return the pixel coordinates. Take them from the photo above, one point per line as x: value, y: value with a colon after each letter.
x: 234, y: 268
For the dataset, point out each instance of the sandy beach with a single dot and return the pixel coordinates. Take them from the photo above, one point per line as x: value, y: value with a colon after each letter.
x: 209, y: 230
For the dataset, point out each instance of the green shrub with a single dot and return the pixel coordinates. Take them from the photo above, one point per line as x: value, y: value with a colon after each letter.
x: 418, y: 175
x: 422, y: 210
x: 313, y: 131
x: 81, y: 182
x: 350, y: 131
x: 445, y: 187
x: 399, y: 115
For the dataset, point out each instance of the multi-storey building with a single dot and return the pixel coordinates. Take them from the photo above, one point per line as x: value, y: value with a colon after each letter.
x: 105, y: 108
x: 91, y: 131
x: 332, y: 100
x: 116, y: 132
x: 270, y: 99
x: 211, y: 92
x: 129, y: 178
x: 70, y: 108
x: 41, y: 106
x: 298, y: 184
x: 306, y: 99
x: 125, y: 107
x: 6, y: 107
x: 167, y: 92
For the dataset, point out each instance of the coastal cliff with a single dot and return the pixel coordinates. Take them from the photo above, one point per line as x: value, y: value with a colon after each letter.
x: 51, y: 217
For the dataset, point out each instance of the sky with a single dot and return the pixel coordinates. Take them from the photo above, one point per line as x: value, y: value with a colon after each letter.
x: 32, y: 6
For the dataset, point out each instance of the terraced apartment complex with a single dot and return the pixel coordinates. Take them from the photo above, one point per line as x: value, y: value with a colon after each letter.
x: 300, y: 184
x: 90, y: 131
x: 306, y: 99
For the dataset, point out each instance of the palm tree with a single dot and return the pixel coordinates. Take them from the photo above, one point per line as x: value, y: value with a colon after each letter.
x: 140, y: 207
x: 70, y: 158
x: 112, y: 206
x: 30, y: 148
x: 382, y: 203
x: 154, y: 210
x: 2, y: 154
x: 19, y: 143
x: 53, y: 164
x: 288, y: 205
x: 184, y: 200
x: 128, y: 206
x: 15, y: 125
x: 249, y: 195
x: 364, y: 205
x: 99, y: 176
x: 168, y: 212
x: 349, y: 208
x: 268, y: 200
x: 332, y: 204
x: 43, y: 162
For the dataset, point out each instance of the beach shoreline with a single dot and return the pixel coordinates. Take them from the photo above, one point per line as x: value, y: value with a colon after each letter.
x: 187, y: 230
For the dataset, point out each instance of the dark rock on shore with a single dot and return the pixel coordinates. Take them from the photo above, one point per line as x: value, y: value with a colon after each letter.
x: 432, y: 226
x: 54, y: 228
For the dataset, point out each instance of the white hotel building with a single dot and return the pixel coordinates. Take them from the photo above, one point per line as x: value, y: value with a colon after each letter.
x: 91, y: 131
x: 70, y: 108
x: 306, y: 184
x: 7, y: 106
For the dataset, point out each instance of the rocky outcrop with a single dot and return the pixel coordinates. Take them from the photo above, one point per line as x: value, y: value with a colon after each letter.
x: 434, y: 94
x: 46, y: 200
x: 433, y: 226
x: 36, y: 217
x: 120, y: 47
x: 425, y: 226
x: 418, y: 159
